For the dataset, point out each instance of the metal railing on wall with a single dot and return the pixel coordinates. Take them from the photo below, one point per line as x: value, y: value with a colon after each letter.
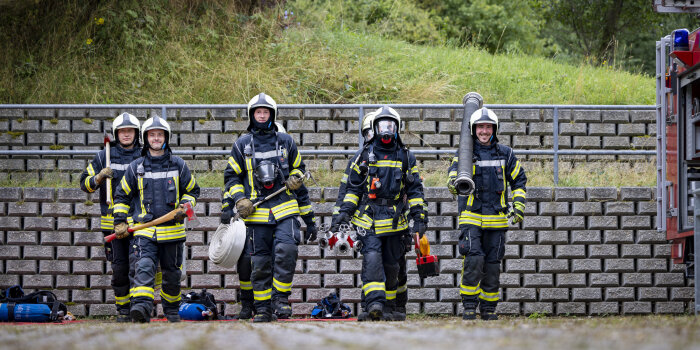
x: 555, y: 152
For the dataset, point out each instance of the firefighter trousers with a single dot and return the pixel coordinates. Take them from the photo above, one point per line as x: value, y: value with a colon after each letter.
x: 483, y: 251
x: 244, y: 268
x: 381, y: 262
x: 117, y: 253
x: 146, y: 254
x: 274, y: 259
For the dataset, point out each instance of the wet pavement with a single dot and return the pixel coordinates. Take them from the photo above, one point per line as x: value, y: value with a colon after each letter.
x: 638, y: 333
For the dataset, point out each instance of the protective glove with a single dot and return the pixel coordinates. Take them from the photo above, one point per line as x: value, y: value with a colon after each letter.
x: 244, y: 207
x: 103, y: 174
x: 181, y: 215
x: 121, y: 231
x: 516, y: 213
x: 311, y: 229
x: 419, y: 226
x: 226, y: 215
x: 451, y: 185
x: 294, y: 182
x: 340, y: 219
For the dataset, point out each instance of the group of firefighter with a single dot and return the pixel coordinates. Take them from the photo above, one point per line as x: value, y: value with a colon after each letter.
x: 381, y: 193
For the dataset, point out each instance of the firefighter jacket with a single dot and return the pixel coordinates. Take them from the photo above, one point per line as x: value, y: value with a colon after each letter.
x: 388, y: 178
x: 120, y: 158
x: 155, y: 186
x: 241, y: 182
x: 495, y: 167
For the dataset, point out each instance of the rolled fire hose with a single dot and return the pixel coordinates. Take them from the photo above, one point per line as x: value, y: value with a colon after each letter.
x: 227, y: 244
x: 464, y: 183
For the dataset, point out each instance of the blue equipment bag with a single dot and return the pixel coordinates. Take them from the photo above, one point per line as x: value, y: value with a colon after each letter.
x: 199, y: 307
x: 40, y: 306
x: 331, y: 307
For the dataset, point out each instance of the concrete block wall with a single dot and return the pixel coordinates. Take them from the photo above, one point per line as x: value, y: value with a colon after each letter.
x: 427, y: 128
x: 580, y: 251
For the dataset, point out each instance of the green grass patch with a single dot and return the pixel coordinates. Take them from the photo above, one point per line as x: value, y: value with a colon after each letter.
x: 161, y: 52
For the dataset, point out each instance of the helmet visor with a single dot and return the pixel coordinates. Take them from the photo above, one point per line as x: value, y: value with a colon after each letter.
x: 386, y: 127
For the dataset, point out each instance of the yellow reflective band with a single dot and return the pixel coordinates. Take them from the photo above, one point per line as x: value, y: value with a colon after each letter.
x: 415, y: 201
x: 305, y: 210
x: 191, y: 184
x: 469, y: 290
x: 262, y: 295
x: 297, y: 161
x: 349, y: 197
x: 176, y: 180
x: 281, y: 286
x: 121, y: 208
x: 336, y: 210
x: 455, y: 160
x: 87, y: 184
x: 125, y: 186
x: 170, y: 298
x: 519, y: 193
x: 402, y: 289
x: 191, y: 199
x: 285, y: 209
x: 249, y: 166
x: 452, y: 173
x: 387, y: 164
x: 414, y: 170
x: 142, y: 291
x: 90, y: 170
x: 344, y: 179
x: 296, y: 172
x: 122, y: 300
x: 356, y: 168
x: 236, y: 189
x: 485, y: 221
x: 489, y: 296
x: 390, y: 294
x: 143, y: 208
x: 159, y: 278
x: 515, y: 171
x: 373, y: 287
x: 470, y: 200
x: 246, y: 285
x: 232, y: 163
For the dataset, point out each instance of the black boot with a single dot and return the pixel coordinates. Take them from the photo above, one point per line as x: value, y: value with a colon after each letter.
x: 246, y: 312
x: 264, y: 315
x: 140, y: 314
x: 282, y: 309
x: 469, y: 310
x: 363, y: 316
x: 388, y: 311
x: 123, y: 316
x: 400, y: 313
x: 489, y: 315
x: 376, y: 312
x: 174, y: 318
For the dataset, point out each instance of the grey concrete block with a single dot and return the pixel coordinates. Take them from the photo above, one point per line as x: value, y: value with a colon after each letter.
x: 508, y: 308
x: 537, y: 251
x: 616, y: 142
x: 631, y: 129
x: 512, y: 251
x: 41, y: 139
x: 540, y: 194
x: 41, y: 164
x: 604, y: 308
x: 635, y: 251
x: 662, y: 250
x: 520, y: 265
x: 537, y: 223
x: 605, y: 129
x: 441, y: 114
x: 586, y: 265
x: 643, y: 142
x: 570, y: 251
x: 552, y: 237
x: 619, y: 294
x: 635, y: 222
x: 10, y: 194
x: 54, y: 267
x: 650, y: 236
x: 554, y: 294
x: 646, y: 208
x: 586, y: 294
x: 24, y: 125
x: 438, y: 308
x: 586, y: 208
x: 636, y: 279
x: 642, y: 116
x: 682, y: 293
x: 515, y: 128
x: 508, y: 280
x: 669, y: 279
x: 538, y: 280
x: 526, y: 115
x: 37, y: 282
x: 585, y: 236
x: 520, y: 237
x: 635, y: 193
x: 615, y: 117
x: 445, y: 127
x: 39, y: 252
x: 570, y: 194
x: 553, y: 208
x: 636, y: 307
x: 601, y: 193
x: 652, y: 294
x: 527, y: 141
x: 619, y: 265
x: 602, y: 222
x: 87, y: 267
x: 603, y: 251
x: 572, y: 129
x: 21, y: 237
x: 564, y: 142
x: 586, y: 142
x: 22, y: 208
x: 66, y: 195
x: 538, y: 307
x: 553, y: 265
x: 520, y: 294
x: 619, y: 208
x: 570, y: 280
x: 8, y: 252
x: 38, y: 223
x: 664, y: 307
x: 652, y: 265
x: 544, y: 129
x: 618, y: 236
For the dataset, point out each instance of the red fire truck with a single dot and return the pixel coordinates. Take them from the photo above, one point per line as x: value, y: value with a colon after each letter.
x: 678, y: 135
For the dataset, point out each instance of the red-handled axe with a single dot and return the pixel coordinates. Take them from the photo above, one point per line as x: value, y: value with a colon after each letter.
x: 186, y: 209
x: 108, y: 164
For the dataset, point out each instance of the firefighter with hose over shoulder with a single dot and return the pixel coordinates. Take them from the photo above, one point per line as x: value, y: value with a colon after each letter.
x: 484, y: 210
x: 262, y: 162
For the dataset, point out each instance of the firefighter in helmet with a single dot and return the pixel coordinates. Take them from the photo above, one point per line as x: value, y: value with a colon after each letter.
x: 123, y: 150
x: 484, y: 214
x: 261, y: 162
x: 155, y: 184
x: 384, y: 172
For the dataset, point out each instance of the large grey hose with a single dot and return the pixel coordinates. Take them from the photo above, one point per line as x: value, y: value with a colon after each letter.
x: 464, y: 183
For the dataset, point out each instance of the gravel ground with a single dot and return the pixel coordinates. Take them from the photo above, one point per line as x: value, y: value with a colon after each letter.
x: 638, y: 333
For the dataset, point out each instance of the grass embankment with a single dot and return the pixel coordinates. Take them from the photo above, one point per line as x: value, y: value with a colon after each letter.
x: 204, y: 52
